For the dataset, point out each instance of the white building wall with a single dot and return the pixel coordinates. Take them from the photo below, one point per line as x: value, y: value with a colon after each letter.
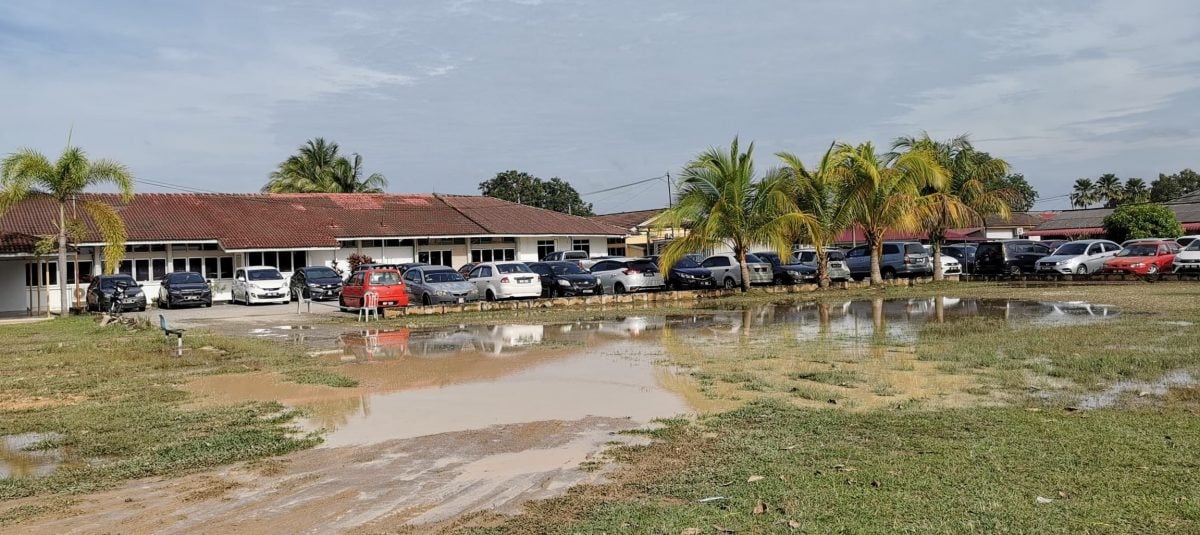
x: 14, y: 295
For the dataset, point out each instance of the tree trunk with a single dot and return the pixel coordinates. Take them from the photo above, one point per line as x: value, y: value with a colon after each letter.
x: 64, y: 299
x: 876, y: 244
x: 822, y: 266
x: 741, y: 256
x: 935, y: 243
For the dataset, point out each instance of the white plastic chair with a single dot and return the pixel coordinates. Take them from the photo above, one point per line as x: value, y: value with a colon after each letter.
x: 370, y: 306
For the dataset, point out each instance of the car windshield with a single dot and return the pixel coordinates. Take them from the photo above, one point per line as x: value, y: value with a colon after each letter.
x: 321, y: 273
x: 185, y: 278
x: 111, y: 282
x: 385, y: 278
x: 513, y: 268
x: 686, y: 263
x: 1195, y: 246
x: 264, y: 275
x: 836, y: 256
x: 567, y: 269
x: 1139, y: 249
x: 753, y: 259
x: 1071, y: 249
x: 443, y: 276
x: 643, y: 265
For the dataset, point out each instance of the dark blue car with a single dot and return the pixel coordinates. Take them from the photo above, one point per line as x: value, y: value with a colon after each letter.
x: 791, y: 272
x: 687, y: 274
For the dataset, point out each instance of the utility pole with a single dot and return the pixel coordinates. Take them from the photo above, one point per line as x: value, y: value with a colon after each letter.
x: 670, y: 200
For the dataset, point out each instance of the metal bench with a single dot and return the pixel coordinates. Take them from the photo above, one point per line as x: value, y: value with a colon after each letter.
x: 169, y: 331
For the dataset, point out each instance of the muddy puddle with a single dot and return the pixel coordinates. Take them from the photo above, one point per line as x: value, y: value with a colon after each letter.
x: 22, y: 456
x: 458, y: 419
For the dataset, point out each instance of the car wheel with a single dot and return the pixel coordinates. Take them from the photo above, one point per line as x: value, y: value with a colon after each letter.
x: 1152, y: 269
x: 208, y: 304
x: 779, y: 280
x: 490, y: 296
x: 1015, y: 271
x: 1081, y: 270
x: 673, y: 286
x: 599, y: 289
x: 341, y: 303
x: 142, y: 308
x: 889, y: 274
x: 426, y: 300
x: 729, y: 284
x: 618, y: 288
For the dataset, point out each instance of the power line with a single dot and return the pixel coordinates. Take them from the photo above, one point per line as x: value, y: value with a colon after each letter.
x: 605, y: 190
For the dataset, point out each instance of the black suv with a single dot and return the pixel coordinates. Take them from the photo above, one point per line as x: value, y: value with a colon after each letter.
x: 184, y: 288
x: 687, y: 274
x: 1008, y: 257
x: 316, y: 282
x: 790, y: 273
x: 100, y: 293
x: 564, y: 278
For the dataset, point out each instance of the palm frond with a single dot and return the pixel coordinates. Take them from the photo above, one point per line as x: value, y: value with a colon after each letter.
x: 112, y: 230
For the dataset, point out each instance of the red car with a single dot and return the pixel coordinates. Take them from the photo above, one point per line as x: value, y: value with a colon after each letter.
x: 385, y: 283
x: 1144, y: 258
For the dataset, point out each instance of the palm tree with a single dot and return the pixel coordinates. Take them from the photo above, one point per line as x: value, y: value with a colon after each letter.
x: 1083, y: 193
x: 724, y: 204
x: 1136, y: 191
x: 966, y: 198
x: 318, y: 168
x: 1110, y: 190
x: 885, y: 192
x: 27, y: 173
x: 817, y: 192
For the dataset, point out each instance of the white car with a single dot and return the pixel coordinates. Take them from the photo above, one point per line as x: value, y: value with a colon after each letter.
x: 505, y: 280
x: 259, y: 284
x: 1189, y: 258
x: 950, y: 265
x: 728, y: 273
x: 1185, y: 241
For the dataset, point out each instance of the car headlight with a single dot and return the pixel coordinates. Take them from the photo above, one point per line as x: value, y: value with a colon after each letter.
x: 441, y: 293
x: 313, y: 285
x: 564, y: 282
x: 1137, y: 265
x: 473, y: 291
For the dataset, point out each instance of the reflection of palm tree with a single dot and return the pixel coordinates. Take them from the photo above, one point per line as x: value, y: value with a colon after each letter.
x: 939, y: 307
x: 877, y: 316
x: 823, y: 315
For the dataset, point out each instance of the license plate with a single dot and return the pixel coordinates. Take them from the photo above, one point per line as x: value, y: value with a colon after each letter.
x: 127, y: 301
x: 460, y: 300
x: 585, y: 291
x: 388, y: 303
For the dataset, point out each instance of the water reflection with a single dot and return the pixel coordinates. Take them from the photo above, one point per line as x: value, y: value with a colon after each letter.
x: 17, y: 459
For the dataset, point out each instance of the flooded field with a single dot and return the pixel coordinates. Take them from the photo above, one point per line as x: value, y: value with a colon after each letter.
x: 452, y: 420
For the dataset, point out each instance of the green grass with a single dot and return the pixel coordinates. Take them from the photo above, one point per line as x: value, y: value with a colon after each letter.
x: 953, y: 471
x: 111, y: 396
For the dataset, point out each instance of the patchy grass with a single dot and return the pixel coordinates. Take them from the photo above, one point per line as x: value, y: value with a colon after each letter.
x: 952, y: 471
x: 108, y: 398
x: 317, y: 376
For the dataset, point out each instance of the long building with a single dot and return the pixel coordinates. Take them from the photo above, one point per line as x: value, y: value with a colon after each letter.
x: 216, y: 233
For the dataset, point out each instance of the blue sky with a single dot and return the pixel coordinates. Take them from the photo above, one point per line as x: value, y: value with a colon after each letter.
x: 441, y: 95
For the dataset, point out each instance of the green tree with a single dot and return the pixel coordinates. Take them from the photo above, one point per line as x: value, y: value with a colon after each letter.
x: 965, y: 197
x: 318, y: 168
x: 1023, y: 195
x: 885, y: 192
x: 723, y: 203
x: 521, y: 187
x: 1135, y: 191
x: 1083, y: 193
x: 27, y: 173
x: 1135, y: 221
x: 1167, y: 188
x: 1109, y: 190
x: 818, y: 193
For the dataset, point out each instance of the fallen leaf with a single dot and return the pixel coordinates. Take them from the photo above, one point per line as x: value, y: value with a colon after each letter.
x: 851, y: 482
x: 793, y: 524
x: 723, y: 529
x: 710, y: 499
x: 1063, y: 494
x: 690, y: 531
x: 781, y: 478
x: 1143, y: 394
x: 792, y: 447
x: 875, y: 483
x: 1033, y: 409
x: 760, y: 508
x: 752, y: 479
x: 893, y: 472
x: 1042, y: 500
x: 726, y: 484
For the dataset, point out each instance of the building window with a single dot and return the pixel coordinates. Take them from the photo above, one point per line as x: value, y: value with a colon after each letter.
x: 435, y: 258
x: 544, y: 248
x: 582, y: 245
x: 616, y: 247
x: 281, y: 260
x: 391, y: 243
x: 226, y: 265
x: 184, y: 247
x: 372, y: 243
x: 493, y: 255
x: 158, y: 268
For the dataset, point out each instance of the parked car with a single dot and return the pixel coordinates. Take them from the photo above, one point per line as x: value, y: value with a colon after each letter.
x: 102, y: 288
x: 899, y: 259
x: 564, y: 278
x: 1078, y: 257
x: 836, y: 258
x: 1185, y: 241
x: 1135, y: 240
x: 434, y: 285
x: 1144, y: 258
x: 964, y: 253
x: 789, y: 272
x: 728, y: 273
x: 686, y: 274
x: 316, y: 282
x: 465, y: 269
x: 621, y: 275
x: 1188, y: 258
x: 1009, y: 257
x: 950, y: 265
x: 184, y: 288
x: 259, y: 284
x: 505, y: 280
x: 385, y: 283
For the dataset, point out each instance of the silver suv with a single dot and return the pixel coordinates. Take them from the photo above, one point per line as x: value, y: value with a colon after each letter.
x: 728, y: 273
x: 1079, y: 257
x: 620, y: 275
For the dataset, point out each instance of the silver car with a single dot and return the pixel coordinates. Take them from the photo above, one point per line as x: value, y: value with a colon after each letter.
x: 435, y: 285
x: 728, y: 272
x: 621, y: 275
x: 837, y: 262
x: 1078, y: 257
x: 505, y: 280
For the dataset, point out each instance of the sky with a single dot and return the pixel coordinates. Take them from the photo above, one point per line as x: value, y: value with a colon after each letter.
x: 440, y: 95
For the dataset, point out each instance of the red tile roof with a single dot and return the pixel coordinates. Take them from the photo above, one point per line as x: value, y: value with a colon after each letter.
x: 628, y: 220
x: 253, y: 221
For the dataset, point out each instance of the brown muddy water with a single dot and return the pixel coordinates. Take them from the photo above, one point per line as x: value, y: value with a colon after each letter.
x: 484, y: 417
